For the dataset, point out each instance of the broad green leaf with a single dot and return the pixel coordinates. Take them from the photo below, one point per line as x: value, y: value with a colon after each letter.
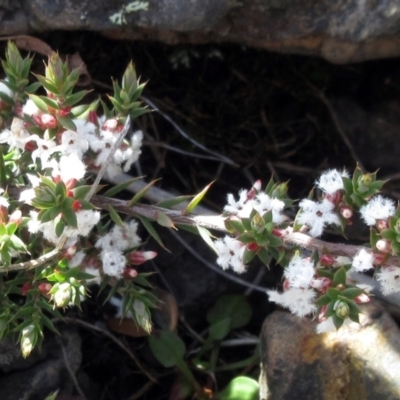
x: 240, y: 388
x: 234, y: 306
x: 219, y: 329
x: 167, y: 347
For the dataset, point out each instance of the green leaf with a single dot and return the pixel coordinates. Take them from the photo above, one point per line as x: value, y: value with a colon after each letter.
x: 119, y: 188
x: 352, y: 293
x: 240, y: 388
x: 167, y: 348
x: 333, y: 293
x: 67, y: 123
x: 169, y: 203
x: 206, y: 236
x: 80, y: 192
x: 340, y: 277
x: 150, y: 229
x: 141, y: 193
x: 39, y: 103
x: 219, y: 329
x: 163, y: 220
x: 70, y: 216
x: 233, y: 306
x: 115, y: 216
x: 196, y: 200
x: 75, y: 98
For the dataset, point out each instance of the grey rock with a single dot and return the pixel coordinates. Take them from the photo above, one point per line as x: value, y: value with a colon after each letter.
x: 359, y: 362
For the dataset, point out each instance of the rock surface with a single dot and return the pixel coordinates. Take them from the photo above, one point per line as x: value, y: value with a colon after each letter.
x: 359, y: 362
x: 342, y: 31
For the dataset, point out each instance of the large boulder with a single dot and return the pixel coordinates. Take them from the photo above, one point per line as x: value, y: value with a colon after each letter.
x: 341, y: 31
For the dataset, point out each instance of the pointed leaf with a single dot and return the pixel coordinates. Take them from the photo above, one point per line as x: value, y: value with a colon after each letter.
x: 115, y: 216
x: 122, y: 186
x: 206, y: 236
x: 141, y: 193
x: 150, y: 229
x: 196, y: 200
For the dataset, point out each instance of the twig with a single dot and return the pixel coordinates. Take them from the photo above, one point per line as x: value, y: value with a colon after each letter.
x: 115, y: 340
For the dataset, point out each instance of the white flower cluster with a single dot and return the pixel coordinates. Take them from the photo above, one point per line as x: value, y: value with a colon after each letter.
x: 230, y: 254
x: 299, y: 296
x: 113, y: 244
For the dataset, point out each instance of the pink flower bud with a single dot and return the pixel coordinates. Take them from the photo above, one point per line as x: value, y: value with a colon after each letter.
x: 30, y: 146
x: 25, y: 287
x: 379, y: 258
x: 140, y: 257
x: 16, y: 217
x: 76, y: 205
x: 279, y: 232
x: 252, y: 246
x: 64, y: 112
x: 321, y: 315
x: 383, y: 245
x: 334, y: 198
x: 321, y: 284
x: 362, y: 298
x: 110, y: 125
x: 286, y: 285
x: 69, y: 253
x: 346, y: 212
x: 48, y: 121
x: 71, y: 184
x: 327, y: 260
x: 382, y: 225
x: 130, y: 273
x: 45, y: 287
x: 93, y: 118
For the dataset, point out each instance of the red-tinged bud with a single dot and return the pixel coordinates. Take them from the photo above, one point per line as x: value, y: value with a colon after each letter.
x: 334, y: 198
x: 327, y: 260
x: 16, y: 217
x: 382, y: 225
x: 286, y: 285
x: 71, y: 184
x: 70, y: 193
x: 30, y: 146
x: 45, y: 287
x: 379, y: 258
x: 252, y: 246
x: 362, y: 298
x: 321, y: 284
x: 130, y: 273
x: 321, y: 315
x: 110, y: 125
x: 56, y: 179
x: 93, y: 118
x: 76, y: 205
x: 346, y: 212
x: 25, y: 287
x: 383, y: 245
x: 140, y: 257
x: 18, y: 111
x: 279, y: 232
x: 257, y: 185
x: 69, y: 253
x: 64, y: 112
x: 48, y: 121
x: 37, y: 119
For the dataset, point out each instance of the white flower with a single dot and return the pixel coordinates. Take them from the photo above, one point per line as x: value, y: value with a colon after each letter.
x: 378, y: 208
x: 262, y: 203
x: 73, y: 143
x: 3, y: 200
x: 298, y: 301
x: 114, y: 263
x: 317, y: 215
x: 120, y: 238
x: 239, y: 208
x: 77, y: 259
x: 300, y: 272
x: 363, y: 261
x: 230, y: 254
x: 331, y: 181
x: 87, y: 219
x: 44, y: 149
x: 96, y: 273
x: 389, y: 278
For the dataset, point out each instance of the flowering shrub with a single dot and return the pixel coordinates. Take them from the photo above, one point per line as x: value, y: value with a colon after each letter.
x: 58, y: 236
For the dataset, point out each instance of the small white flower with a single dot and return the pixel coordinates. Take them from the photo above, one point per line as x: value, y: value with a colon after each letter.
x: 114, y: 263
x: 331, y: 181
x: 378, y: 208
x: 317, y: 215
x: 300, y: 272
x: 87, y: 219
x: 241, y: 208
x: 96, y: 273
x: 299, y: 301
x: 30, y: 108
x: 389, y: 278
x: 230, y: 254
x: 363, y: 261
x: 73, y: 143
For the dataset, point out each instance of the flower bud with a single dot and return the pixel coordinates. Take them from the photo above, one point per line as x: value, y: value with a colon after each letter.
x: 93, y: 118
x: 346, y: 212
x: 16, y: 217
x: 130, y: 273
x: 321, y: 284
x: 28, y: 339
x: 383, y: 245
x: 140, y: 257
x: 257, y: 223
x: 334, y: 198
x: 64, y: 112
x: 279, y: 232
x: 341, y: 308
x: 45, y: 287
x: 25, y: 288
x: 48, y: 121
x: 110, y: 125
x: 252, y: 247
x: 327, y: 260
x: 62, y: 294
x: 362, y: 298
x: 76, y: 205
x: 321, y: 315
